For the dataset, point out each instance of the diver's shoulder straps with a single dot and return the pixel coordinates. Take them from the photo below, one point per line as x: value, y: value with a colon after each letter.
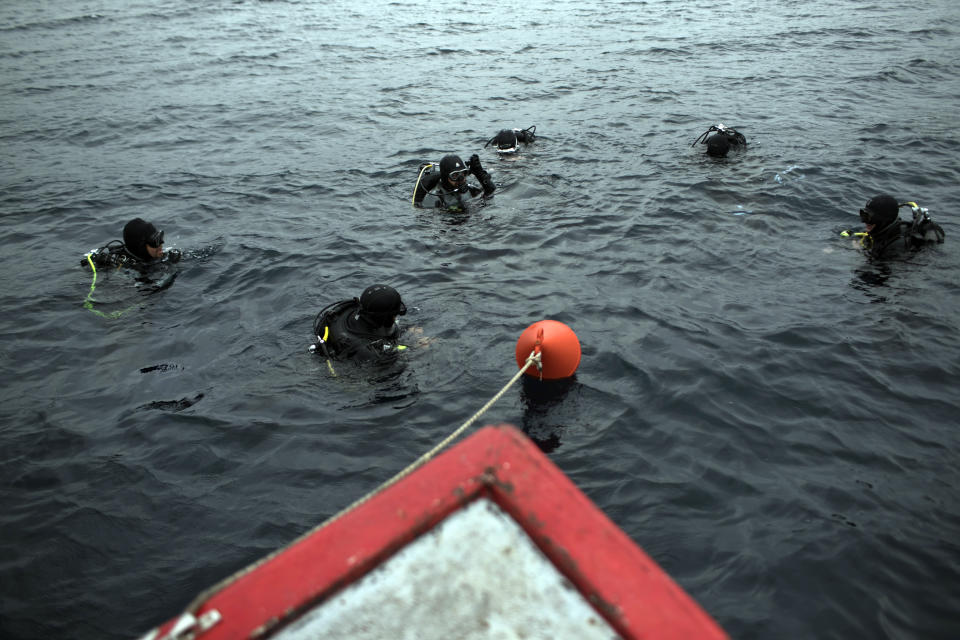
x: 425, y: 182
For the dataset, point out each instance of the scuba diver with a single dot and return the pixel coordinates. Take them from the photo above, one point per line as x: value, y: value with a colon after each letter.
x: 142, y: 247
x: 722, y: 140
x: 886, y: 234
x: 142, y: 250
x: 448, y: 188
x: 508, y: 140
x: 363, y: 328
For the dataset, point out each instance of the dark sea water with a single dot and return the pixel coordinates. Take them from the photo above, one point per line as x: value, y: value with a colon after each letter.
x: 773, y: 418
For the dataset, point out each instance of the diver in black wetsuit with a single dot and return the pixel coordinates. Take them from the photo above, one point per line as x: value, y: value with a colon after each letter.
x: 142, y: 250
x: 722, y: 140
x: 887, y: 235
x: 142, y: 247
x: 448, y: 187
x: 508, y: 140
x: 363, y: 328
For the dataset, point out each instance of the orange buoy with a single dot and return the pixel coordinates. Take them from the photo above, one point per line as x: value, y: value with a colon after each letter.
x: 558, y: 345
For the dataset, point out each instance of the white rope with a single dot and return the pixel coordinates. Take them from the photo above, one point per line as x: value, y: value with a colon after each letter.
x: 533, y: 358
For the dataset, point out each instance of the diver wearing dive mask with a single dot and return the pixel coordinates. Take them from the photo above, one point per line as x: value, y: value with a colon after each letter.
x: 449, y: 187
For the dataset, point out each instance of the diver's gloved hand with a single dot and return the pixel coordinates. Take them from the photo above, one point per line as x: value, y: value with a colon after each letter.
x: 174, y: 255
x: 475, y: 167
x: 477, y: 170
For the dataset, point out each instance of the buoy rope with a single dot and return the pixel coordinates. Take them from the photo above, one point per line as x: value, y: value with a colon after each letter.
x: 533, y: 359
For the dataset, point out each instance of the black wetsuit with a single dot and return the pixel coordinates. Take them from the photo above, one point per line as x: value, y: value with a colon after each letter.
x: 448, y: 197
x: 901, y: 236
x: 116, y: 254
x: 154, y: 274
x: 350, y: 336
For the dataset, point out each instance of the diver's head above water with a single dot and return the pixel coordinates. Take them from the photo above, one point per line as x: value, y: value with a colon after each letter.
x: 143, y: 240
x: 505, y: 141
x: 380, y: 304
x: 453, y: 172
x: 879, y: 213
x: 718, y: 145
x: 720, y: 139
x: 508, y: 141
